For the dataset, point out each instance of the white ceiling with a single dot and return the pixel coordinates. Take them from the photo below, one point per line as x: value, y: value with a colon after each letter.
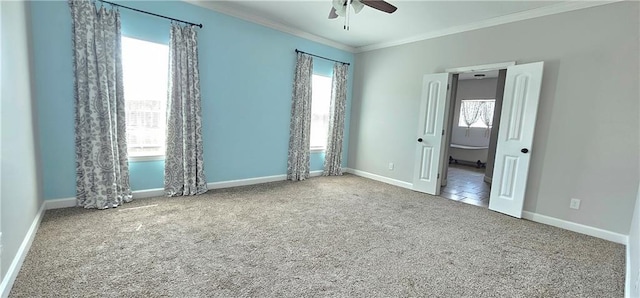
x: 414, y: 20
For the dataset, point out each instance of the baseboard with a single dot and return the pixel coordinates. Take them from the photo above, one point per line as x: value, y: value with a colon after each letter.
x: 576, y: 227
x: 12, y: 273
x: 60, y: 203
x: 379, y: 178
x: 563, y: 224
x: 159, y: 192
x: 148, y: 193
x: 567, y: 225
x: 488, y: 179
x: 315, y: 173
x: 252, y: 181
x: 243, y: 182
x: 72, y: 202
x: 16, y: 264
x: 627, y: 276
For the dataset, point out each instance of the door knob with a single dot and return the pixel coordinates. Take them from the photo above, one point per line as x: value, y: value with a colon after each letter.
x: 419, y: 139
x: 524, y: 150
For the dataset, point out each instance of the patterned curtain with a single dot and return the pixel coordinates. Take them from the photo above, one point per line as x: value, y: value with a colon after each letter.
x: 102, y: 170
x: 184, y: 164
x: 333, y: 155
x: 470, y: 112
x: 300, y: 127
x: 487, y: 116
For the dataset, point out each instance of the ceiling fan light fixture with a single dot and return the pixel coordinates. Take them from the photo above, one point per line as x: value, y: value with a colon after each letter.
x: 340, y: 7
x: 357, y: 5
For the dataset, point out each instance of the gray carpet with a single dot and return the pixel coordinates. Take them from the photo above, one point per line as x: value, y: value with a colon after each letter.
x: 337, y: 236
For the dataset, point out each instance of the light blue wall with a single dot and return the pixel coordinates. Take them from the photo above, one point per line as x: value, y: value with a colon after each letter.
x: 246, y: 73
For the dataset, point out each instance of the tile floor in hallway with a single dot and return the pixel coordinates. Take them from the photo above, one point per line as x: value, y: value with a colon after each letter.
x: 466, y: 184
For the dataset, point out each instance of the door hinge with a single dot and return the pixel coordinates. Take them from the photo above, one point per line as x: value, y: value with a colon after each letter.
x: 448, y: 86
x: 438, y: 175
x: 443, y: 132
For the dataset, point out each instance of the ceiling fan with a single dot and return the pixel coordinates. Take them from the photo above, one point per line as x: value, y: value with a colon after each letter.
x: 341, y: 8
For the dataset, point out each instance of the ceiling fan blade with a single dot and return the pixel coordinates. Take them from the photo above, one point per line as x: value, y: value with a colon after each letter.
x: 380, y: 5
x: 332, y: 13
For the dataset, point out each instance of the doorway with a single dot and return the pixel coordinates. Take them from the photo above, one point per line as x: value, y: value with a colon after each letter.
x: 514, y: 140
x: 466, y: 184
x: 472, y: 118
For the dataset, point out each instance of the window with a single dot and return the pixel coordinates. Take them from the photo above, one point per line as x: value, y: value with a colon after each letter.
x: 145, y: 68
x: 320, y: 105
x: 479, y: 112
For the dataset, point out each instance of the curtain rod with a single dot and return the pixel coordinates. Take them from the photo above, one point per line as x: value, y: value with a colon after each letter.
x: 151, y: 13
x: 325, y: 58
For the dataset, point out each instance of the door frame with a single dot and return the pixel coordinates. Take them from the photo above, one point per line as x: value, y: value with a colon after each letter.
x: 483, y: 67
x: 454, y: 71
x: 453, y: 94
x: 535, y: 71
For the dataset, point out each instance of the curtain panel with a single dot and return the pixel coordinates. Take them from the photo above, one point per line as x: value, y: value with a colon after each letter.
x: 333, y: 154
x: 102, y: 170
x: 184, y: 164
x: 470, y: 112
x: 300, y: 126
x: 487, y: 116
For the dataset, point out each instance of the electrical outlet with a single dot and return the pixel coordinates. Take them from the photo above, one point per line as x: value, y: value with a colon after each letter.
x: 575, y: 204
x: 391, y: 166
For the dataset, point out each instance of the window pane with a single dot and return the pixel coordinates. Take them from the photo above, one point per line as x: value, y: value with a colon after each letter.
x: 320, y: 104
x: 145, y: 68
x: 483, y: 106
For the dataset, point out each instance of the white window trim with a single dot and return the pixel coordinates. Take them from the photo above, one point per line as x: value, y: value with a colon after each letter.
x: 146, y: 158
x: 153, y: 156
x: 318, y: 149
x: 460, y: 113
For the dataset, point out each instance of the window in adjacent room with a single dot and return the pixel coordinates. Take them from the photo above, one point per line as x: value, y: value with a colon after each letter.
x: 476, y: 112
x: 320, y: 104
x: 145, y: 67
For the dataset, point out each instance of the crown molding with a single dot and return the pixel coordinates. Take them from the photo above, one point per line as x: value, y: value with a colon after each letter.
x: 213, y: 5
x: 510, y: 18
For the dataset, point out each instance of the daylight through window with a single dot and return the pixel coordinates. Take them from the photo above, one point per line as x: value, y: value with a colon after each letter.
x: 145, y: 70
x: 476, y: 113
x: 320, y: 105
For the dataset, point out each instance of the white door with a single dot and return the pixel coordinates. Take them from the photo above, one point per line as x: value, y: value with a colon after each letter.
x: 430, y: 138
x: 515, y: 136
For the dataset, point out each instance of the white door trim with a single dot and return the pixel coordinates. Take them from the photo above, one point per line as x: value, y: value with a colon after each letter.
x: 483, y: 67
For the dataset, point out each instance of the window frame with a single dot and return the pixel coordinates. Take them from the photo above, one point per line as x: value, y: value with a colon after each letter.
x: 149, y: 156
x: 460, y: 116
x: 319, y: 149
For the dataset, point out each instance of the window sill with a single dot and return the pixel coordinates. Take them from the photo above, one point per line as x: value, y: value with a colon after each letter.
x: 146, y: 158
x: 317, y: 150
